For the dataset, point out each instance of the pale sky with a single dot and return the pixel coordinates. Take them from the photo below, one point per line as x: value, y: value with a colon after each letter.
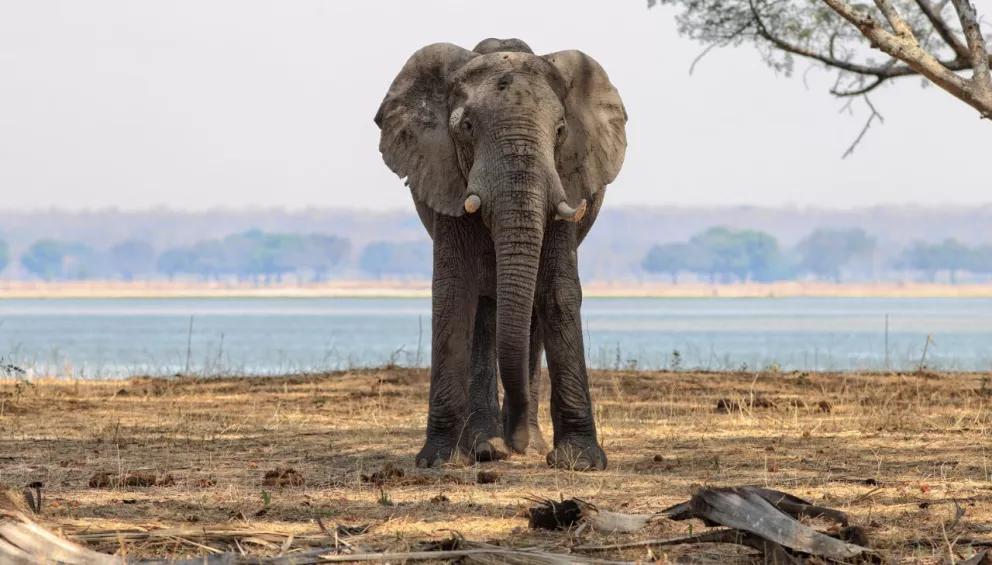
x: 194, y: 104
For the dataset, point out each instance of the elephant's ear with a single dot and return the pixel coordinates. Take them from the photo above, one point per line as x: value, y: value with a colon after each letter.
x: 592, y: 154
x: 413, y: 119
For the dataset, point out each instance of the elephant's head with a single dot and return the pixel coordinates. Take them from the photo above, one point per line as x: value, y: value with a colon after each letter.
x: 520, y: 139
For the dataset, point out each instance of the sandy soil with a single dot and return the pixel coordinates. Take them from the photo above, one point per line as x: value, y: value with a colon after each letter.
x: 351, y: 289
x: 892, y: 450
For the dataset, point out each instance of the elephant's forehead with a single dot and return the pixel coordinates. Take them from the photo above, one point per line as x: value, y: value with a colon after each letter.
x: 494, y: 64
x: 493, y: 44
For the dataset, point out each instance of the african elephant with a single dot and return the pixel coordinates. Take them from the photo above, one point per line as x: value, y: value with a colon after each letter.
x: 507, y: 156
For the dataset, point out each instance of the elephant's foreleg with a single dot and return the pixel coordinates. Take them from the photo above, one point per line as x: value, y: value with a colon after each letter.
x: 559, y: 300
x: 485, y: 433
x: 453, y: 303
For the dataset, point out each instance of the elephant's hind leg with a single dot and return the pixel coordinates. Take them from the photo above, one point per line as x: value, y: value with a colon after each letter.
x: 537, y: 443
x: 485, y: 436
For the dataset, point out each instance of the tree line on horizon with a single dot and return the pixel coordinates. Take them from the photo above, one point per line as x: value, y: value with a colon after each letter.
x: 716, y: 255
x: 720, y: 254
x: 253, y: 256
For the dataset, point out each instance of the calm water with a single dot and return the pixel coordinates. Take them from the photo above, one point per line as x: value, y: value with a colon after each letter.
x: 119, y: 338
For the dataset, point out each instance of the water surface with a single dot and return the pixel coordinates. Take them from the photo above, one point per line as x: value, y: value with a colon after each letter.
x: 113, y: 338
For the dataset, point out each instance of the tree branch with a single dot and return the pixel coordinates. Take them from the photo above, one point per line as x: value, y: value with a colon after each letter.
x: 859, y: 92
x: 908, y: 50
x: 712, y: 46
x: 803, y: 52
x: 943, y: 29
x: 976, y: 44
x: 884, y: 72
x: 864, y: 130
x: 895, y: 20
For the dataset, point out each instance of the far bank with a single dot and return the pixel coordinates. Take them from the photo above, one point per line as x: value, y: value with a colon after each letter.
x: 422, y: 289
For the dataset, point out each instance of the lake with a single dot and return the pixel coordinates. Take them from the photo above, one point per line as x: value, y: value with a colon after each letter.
x: 116, y: 338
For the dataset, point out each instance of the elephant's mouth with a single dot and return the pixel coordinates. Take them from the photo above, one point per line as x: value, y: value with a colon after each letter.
x: 479, y: 189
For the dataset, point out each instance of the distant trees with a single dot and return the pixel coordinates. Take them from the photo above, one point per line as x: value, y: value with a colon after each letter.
x: 949, y: 255
x: 252, y: 255
x: 721, y: 254
x: 825, y: 252
x: 981, y: 258
x: 174, y: 262
x: 381, y: 258
x: 323, y: 253
x: 50, y: 259
x: 132, y: 257
x: 717, y: 254
x: 255, y: 255
x: 671, y: 259
x: 4, y: 255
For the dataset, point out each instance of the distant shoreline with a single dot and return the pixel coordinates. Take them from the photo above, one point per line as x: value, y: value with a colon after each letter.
x: 422, y: 289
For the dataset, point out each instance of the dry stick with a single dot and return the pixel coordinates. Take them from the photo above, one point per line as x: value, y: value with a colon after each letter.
x: 420, y: 337
x: 220, y: 350
x: 923, y: 358
x: 451, y: 554
x: 189, y: 345
x: 887, y: 367
x: 705, y: 537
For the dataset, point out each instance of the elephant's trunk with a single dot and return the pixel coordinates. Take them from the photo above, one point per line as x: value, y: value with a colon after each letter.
x: 519, y: 200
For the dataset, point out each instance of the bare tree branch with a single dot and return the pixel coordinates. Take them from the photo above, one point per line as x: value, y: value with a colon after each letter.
x: 908, y: 50
x: 895, y: 20
x: 976, y: 44
x: 860, y: 91
x: 712, y: 46
x: 864, y: 130
x: 943, y: 29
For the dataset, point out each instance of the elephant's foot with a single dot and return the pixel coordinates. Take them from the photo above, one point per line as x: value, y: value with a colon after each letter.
x: 516, y: 430
x: 537, y: 443
x: 578, y: 454
x: 486, y: 439
x: 491, y: 449
x: 439, y: 451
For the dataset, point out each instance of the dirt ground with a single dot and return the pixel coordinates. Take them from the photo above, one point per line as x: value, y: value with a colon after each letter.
x: 894, y: 451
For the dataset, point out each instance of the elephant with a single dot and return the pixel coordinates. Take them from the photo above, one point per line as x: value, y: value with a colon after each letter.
x: 507, y: 156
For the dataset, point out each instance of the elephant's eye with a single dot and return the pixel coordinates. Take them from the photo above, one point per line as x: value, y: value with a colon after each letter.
x: 467, y: 125
x: 561, y: 132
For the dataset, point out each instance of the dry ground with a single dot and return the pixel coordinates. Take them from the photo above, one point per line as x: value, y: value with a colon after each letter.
x: 889, y: 449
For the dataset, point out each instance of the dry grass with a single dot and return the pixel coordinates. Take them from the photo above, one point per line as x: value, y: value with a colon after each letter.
x: 922, y: 438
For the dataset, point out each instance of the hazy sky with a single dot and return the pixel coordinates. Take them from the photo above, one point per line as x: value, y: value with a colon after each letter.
x: 194, y: 104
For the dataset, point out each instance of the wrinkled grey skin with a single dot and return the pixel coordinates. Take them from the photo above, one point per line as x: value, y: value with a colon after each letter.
x: 507, y: 156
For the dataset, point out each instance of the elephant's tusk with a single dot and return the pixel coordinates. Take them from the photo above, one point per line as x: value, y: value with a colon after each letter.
x: 472, y: 203
x: 569, y: 214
